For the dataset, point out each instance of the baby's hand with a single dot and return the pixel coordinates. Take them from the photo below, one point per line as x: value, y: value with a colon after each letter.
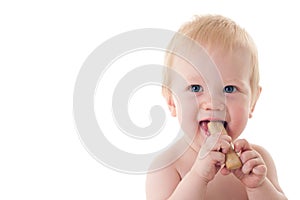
x: 211, y: 156
x: 254, y: 171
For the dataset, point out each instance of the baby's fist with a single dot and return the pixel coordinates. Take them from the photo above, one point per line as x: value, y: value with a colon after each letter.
x: 253, y: 172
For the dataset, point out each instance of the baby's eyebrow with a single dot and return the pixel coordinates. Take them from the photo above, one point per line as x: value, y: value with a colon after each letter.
x: 235, y: 81
x: 194, y: 78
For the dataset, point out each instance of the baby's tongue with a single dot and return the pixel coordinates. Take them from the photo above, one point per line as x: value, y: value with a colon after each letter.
x: 204, y: 127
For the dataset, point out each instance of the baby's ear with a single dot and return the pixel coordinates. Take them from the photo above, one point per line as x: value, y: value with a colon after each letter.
x: 171, y: 104
x: 254, y: 101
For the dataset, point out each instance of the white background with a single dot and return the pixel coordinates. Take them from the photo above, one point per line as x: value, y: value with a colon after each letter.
x: 42, y: 48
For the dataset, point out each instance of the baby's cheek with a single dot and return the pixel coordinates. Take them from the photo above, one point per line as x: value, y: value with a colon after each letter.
x: 187, y: 110
x: 238, y: 119
x: 241, y: 120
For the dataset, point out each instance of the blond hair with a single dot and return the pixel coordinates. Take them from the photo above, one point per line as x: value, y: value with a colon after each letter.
x: 217, y: 31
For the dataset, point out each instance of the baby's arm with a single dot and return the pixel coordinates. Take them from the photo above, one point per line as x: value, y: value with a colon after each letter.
x: 168, y: 184
x: 258, y: 173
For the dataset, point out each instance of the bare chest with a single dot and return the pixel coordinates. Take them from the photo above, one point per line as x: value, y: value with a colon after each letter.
x: 221, y: 187
x: 226, y: 187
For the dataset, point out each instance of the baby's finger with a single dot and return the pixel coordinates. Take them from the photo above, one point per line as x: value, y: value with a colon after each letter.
x: 260, y: 170
x: 242, y: 145
x: 217, y: 157
x: 251, y: 164
x: 247, y: 155
x: 214, y: 143
x: 225, y: 171
x: 223, y: 146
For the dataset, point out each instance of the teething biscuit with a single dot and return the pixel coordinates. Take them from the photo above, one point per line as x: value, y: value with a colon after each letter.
x: 232, y: 160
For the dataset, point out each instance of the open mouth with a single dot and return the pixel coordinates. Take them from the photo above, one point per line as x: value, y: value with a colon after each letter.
x: 204, y: 125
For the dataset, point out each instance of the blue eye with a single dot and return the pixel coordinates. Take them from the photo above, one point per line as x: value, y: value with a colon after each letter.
x: 229, y: 89
x: 196, y: 88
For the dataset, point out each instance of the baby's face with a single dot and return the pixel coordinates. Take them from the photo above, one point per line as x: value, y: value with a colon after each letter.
x: 222, y: 97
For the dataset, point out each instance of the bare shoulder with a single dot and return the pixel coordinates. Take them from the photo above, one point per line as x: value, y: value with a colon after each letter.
x: 271, y: 168
x: 161, y: 183
x: 164, y: 176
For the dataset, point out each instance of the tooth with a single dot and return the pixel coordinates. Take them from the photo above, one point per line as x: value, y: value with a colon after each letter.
x: 232, y: 159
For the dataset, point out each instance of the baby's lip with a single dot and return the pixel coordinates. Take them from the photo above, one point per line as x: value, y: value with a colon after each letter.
x: 204, y: 124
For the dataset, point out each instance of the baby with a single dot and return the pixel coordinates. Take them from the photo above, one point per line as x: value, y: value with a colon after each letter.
x: 200, y: 173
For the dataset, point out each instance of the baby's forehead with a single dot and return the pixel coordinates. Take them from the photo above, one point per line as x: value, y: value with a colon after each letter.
x: 189, y: 68
x: 210, y: 54
x: 192, y: 72
x: 217, y: 62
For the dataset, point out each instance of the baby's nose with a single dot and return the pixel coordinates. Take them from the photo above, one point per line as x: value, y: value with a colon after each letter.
x: 212, y: 105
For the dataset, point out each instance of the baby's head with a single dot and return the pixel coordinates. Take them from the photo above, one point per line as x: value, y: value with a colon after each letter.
x: 215, y: 31
x: 233, y: 52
